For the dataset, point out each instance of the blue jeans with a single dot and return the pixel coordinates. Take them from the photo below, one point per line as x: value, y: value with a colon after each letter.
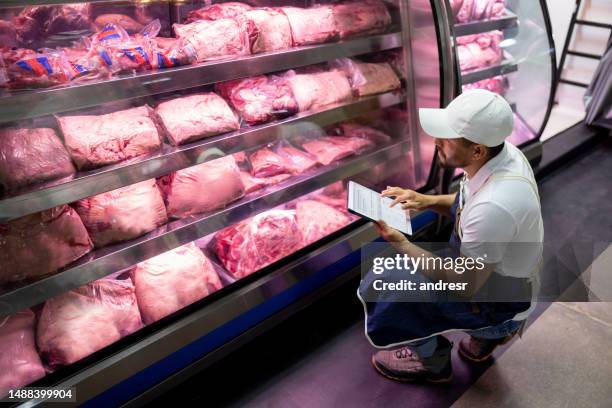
x: 426, y: 347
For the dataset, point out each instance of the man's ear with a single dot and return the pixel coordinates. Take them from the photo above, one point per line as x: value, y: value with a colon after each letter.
x: 479, y: 152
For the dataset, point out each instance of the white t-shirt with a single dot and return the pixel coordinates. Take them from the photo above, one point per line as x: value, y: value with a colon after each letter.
x: 501, y: 215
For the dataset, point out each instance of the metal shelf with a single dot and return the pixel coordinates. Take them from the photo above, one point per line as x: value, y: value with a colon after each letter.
x: 30, y: 104
x: 507, y: 65
x: 24, y: 3
x: 507, y: 21
x: 108, y: 260
x: 170, y: 159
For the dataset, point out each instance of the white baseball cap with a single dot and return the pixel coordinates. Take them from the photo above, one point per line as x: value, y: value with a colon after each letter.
x: 477, y: 115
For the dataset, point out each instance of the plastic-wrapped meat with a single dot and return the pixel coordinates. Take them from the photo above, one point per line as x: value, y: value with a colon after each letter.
x: 29, y: 156
x: 313, y: 25
x: 123, y: 214
x: 498, y: 9
x: 252, y: 183
x: 195, y: 117
x: 218, y: 11
x: 145, y: 13
x: 356, y: 130
x: 259, y: 99
x: 465, y: 12
x: 8, y: 34
x: 273, y: 30
x: 479, y: 50
x: 361, y: 17
x: 217, y: 182
x: 19, y: 361
x: 483, y: 9
x: 317, y: 220
x: 94, y: 141
x: 318, y: 89
x: 266, y: 163
x: 498, y: 84
x: 170, y: 281
x: 82, y: 321
x: 124, y: 21
x: 36, y: 23
x: 216, y: 39
x: 326, y: 151
x: 356, y: 144
x: 38, y: 70
x: 369, y: 78
x: 252, y: 244
x: 40, y: 244
x: 296, y: 161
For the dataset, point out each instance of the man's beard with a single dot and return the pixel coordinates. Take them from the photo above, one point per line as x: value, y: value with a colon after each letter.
x: 451, y: 164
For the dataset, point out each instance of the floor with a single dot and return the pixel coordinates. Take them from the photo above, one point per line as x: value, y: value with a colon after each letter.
x: 320, y: 358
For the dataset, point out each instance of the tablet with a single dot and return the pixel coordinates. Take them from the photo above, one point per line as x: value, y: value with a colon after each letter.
x: 369, y: 204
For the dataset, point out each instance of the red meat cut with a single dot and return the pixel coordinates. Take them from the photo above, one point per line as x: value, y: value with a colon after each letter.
x: 319, y: 89
x: 327, y: 152
x: 252, y: 183
x: 218, y: 11
x: 317, y: 220
x: 19, y: 361
x: 266, y: 163
x: 361, y: 17
x: 356, y: 130
x: 217, y: 39
x: 296, y: 161
x: 252, y: 244
x: 123, y: 214
x: 479, y: 50
x: 205, y: 187
x: 36, y: 23
x: 170, y: 281
x: 94, y: 141
x: 272, y: 28
x: 259, y: 99
x: 41, y: 243
x: 313, y: 25
x: 29, y: 156
x: 82, y: 321
x: 370, y: 78
x: 196, y: 116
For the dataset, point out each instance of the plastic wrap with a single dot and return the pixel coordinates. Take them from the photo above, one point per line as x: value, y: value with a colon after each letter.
x: 216, y: 39
x: 40, y: 244
x: 38, y: 70
x: 170, y: 281
x: 19, y: 361
x: 173, y: 54
x: 375, y: 136
x: 82, y: 321
x: 217, y: 183
x: 130, y: 25
x: 252, y: 183
x: 123, y: 214
x: 296, y: 161
x: 266, y: 163
x: 259, y: 99
x: 361, y: 17
x: 97, y: 140
x: 479, y: 50
x: 313, y: 25
x: 29, y: 156
x: 368, y: 78
x: 317, y: 220
x: 218, y: 11
x: 466, y: 11
x: 195, y: 117
x: 313, y: 90
x: 252, y: 244
x: 329, y: 149
x: 272, y: 28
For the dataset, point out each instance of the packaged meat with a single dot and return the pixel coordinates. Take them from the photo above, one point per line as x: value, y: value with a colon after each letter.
x: 216, y: 39
x: 365, y: 132
x: 466, y: 11
x: 368, y: 78
x: 168, y: 282
x: 19, y: 361
x: 296, y: 161
x: 36, y: 23
x: 313, y: 25
x: 133, y: 55
x: 218, y: 11
x: 8, y: 34
x: 123, y: 214
x: 259, y: 99
x: 97, y: 140
x: 464, y: 15
x: 110, y: 32
x: 173, y: 55
x: 479, y: 50
x: 40, y: 244
x: 195, y: 117
x: 361, y: 17
x: 497, y: 84
x: 252, y: 183
x: 147, y: 12
x: 317, y: 220
x: 314, y: 90
x: 82, y: 321
x: 326, y: 151
x: 254, y: 243
x: 124, y: 21
x: 273, y: 30
x: 29, y: 156
x: 482, y: 9
x: 266, y: 163
x: 39, y: 71
x: 217, y: 182
x: 357, y: 145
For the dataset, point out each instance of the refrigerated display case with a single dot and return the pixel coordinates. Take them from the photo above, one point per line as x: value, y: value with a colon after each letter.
x: 172, y: 173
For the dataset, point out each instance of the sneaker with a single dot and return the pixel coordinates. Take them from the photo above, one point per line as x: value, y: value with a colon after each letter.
x: 479, y: 349
x: 403, y: 364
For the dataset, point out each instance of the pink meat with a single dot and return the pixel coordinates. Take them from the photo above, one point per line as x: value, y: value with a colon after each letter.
x: 19, y: 361
x: 327, y: 152
x: 296, y: 161
x: 94, y: 141
x: 464, y: 14
x: 82, y: 321
x: 456, y: 6
x: 252, y: 244
x: 123, y: 214
x: 317, y: 220
x: 252, y: 183
x: 170, y: 281
x: 498, y: 9
x: 319, y: 89
x: 272, y: 28
x: 497, y: 84
x: 216, y: 182
x: 266, y: 163
x: 371, y: 78
x: 479, y: 50
x: 364, y: 132
x: 195, y: 117
x: 355, y: 144
x: 36, y: 23
x: 29, y: 156
x: 361, y: 17
x: 314, y: 25
x: 218, y: 11
x: 259, y: 99
x: 8, y: 34
x: 216, y: 39
x: 41, y: 243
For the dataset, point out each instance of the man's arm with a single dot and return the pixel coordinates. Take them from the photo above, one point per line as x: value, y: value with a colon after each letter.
x: 411, y: 200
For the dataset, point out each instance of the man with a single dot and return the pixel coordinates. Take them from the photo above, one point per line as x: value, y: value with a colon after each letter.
x: 496, y: 208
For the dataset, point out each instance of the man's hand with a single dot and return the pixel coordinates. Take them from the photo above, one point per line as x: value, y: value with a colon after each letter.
x: 409, y: 199
x: 390, y: 235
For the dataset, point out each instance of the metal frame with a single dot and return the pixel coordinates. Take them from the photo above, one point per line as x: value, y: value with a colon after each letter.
x: 509, y: 20
x: 507, y: 66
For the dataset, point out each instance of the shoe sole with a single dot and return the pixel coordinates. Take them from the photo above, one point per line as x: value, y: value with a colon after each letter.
x: 400, y: 379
